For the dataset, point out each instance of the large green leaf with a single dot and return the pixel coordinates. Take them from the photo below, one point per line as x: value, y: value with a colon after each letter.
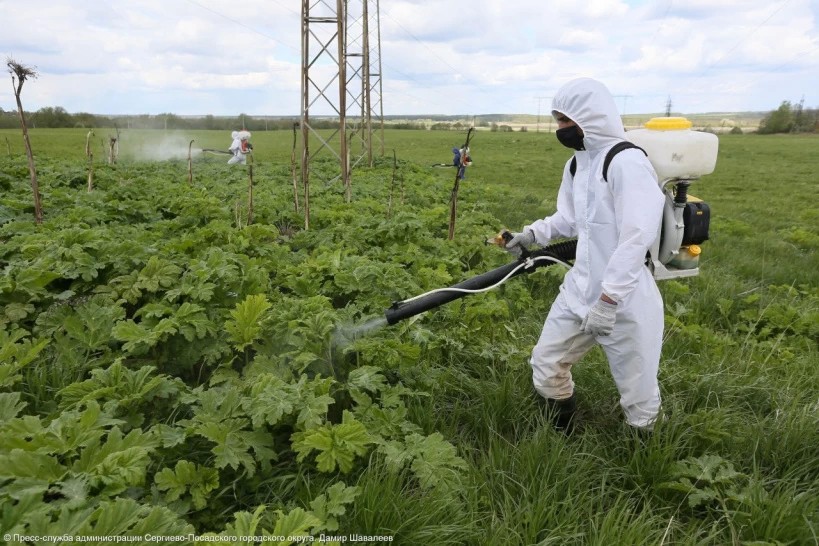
x: 137, y: 338
x: 337, y: 445
x: 330, y: 506
x: 270, y: 400
x: 187, y: 476
x: 16, y: 352
x: 10, y: 406
x: 119, y: 384
x: 119, y: 462
x: 295, y: 523
x: 248, y: 317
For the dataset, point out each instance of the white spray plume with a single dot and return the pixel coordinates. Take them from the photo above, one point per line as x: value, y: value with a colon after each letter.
x: 344, y: 335
x: 164, y: 148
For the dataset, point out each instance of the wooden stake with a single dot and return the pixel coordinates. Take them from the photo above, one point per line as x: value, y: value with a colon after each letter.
x: 113, y: 143
x: 237, y: 214
x: 250, y: 194
x: 88, y: 143
x: 90, y: 171
x: 190, y: 164
x: 392, y: 185
x: 453, y: 198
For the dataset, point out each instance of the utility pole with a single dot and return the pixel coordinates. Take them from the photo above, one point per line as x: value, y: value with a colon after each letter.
x: 625, y: 98
x: 538, y: 113
x: 668, y: 107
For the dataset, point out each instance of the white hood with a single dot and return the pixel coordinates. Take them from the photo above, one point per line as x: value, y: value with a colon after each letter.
x: 589, y: 104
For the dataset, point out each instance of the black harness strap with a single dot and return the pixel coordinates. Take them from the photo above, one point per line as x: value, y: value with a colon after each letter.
x: 616, y: 149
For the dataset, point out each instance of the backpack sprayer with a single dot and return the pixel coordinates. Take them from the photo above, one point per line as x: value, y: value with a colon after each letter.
x: 679, y: 157
x: 245, y: 146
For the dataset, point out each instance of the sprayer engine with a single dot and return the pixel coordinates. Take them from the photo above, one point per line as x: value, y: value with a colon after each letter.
x: 676, y: 251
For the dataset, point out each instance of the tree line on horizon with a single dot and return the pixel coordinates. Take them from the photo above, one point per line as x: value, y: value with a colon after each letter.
x: 58, y: 117
x: 790, y: 119
x: 787, y: 118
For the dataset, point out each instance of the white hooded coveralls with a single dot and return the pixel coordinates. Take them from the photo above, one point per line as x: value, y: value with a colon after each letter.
x: 236, y: 148
x: 615, y: 223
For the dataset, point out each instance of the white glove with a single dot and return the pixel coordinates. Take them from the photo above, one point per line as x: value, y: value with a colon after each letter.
x: 600, y: 320
x: 520, y: 241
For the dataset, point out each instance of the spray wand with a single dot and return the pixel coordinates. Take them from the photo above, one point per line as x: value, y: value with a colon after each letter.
x: 561, y: 253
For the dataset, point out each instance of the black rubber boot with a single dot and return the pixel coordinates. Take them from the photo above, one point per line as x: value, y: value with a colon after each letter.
x: 561, y: 413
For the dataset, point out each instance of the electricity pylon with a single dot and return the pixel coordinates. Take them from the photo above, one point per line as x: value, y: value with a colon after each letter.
x: 342, y: 77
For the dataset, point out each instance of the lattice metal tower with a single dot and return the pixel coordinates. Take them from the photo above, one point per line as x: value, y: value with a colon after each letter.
x: 368, y: 34
x: 341, y: 78
x: 374, y: 93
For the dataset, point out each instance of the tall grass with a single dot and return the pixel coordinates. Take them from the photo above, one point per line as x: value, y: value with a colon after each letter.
x: 739, y: 374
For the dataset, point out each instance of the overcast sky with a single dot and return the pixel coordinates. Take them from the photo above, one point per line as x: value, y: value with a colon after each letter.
x: 221, y: 57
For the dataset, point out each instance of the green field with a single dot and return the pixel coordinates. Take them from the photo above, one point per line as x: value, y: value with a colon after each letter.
x: 168, y: 368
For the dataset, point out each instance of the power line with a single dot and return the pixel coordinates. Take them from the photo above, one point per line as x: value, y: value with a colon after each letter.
x: 760, y: 25
x: 241, y: 24
x: 704, y: 73
x: 288, y: 8
x: 662, y: 22
x: 783, y: 65
x: 795, y: 57
x: 297, y: 50
x: 468, y: 81
x: 411, y: 35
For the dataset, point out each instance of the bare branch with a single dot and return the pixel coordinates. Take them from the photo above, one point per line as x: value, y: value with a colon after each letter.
x: 22, y: 72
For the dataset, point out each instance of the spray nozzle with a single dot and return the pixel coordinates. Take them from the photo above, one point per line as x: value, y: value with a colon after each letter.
x: 501, y: 239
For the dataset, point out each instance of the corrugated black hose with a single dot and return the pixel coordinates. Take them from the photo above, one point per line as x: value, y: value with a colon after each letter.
x: 561, y: 253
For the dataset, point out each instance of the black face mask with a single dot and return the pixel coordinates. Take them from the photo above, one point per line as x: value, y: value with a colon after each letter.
x: 570, y: 137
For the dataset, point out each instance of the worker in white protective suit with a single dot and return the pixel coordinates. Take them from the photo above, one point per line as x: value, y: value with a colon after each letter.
x: 240, y: 147
x: 609, y: 296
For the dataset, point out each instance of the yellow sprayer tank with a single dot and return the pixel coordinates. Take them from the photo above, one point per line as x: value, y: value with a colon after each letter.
x: 674, y: 149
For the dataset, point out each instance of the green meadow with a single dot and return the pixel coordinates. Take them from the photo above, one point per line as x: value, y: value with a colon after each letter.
x: 171, y: 364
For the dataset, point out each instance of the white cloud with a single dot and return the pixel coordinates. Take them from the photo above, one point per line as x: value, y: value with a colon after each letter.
x: 204, y: 56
